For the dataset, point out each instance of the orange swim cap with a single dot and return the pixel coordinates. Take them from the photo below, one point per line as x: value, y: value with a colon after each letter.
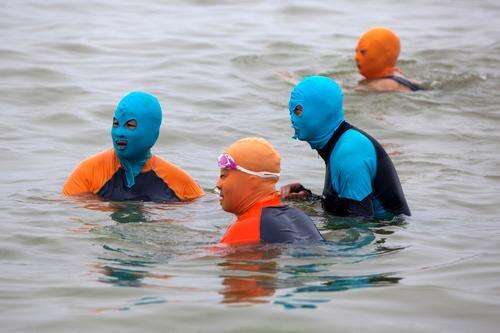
x: 377, y: 53
x: 240, y: 190
x: 255, y: 154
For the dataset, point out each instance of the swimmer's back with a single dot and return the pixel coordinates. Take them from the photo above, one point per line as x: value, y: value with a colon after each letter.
x: 392, y: 83
x: 283, y: 224
x: 272, y: 224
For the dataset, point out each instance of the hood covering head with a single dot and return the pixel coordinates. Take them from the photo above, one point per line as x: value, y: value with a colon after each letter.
x: 133, y: 144
x: 240, y: 190
x: 316, y: 110
x: 377, y: 53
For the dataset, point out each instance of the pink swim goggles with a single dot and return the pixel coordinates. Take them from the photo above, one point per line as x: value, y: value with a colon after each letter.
x: 227, y: 162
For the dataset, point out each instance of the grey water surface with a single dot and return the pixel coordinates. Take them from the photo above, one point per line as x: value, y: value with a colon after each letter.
x: 79, y: 265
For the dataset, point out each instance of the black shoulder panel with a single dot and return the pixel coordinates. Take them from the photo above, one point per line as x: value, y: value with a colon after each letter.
x: 148, y: 187
x: 283, y: 224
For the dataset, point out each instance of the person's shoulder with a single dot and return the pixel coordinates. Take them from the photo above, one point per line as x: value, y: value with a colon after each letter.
x: 352, y: 142
x: 103, y: 160
x: 278, y: 216
x: 165, y: 167
x: 181, y: 182
x: 353, y: 150
x: 91, y: 173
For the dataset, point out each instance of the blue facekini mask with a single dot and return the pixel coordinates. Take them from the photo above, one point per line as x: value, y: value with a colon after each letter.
x: 321, y: 99
x: 132, y: 145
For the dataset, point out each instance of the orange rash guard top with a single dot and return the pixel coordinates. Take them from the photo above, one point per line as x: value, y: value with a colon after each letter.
x: 159, y: 180
x: 268, y: 221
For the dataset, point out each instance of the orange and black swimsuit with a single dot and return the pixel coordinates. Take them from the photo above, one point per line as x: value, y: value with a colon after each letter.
x: 159, y: 180
x: 271, y: 222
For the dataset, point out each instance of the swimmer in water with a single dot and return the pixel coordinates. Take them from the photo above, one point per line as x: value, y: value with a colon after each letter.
x: 360, y: 179
x: 129, y: 171
x: 249, y: 171
x: 376, y: 55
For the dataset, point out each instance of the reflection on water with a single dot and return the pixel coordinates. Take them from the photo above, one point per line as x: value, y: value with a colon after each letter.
x: 292, y: 300
x: 123, y: 277
x: 128, y: 212
x: 255, y: 275
x: 262, y: 274
x: 248, y: 276
x: 292, y: 276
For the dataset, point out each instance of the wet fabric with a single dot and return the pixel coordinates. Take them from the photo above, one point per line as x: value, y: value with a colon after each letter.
x: 283, y: 224
x: 321, y: 100
x: 377, y: 52
x: 381, y: 190
x: 159, y: 180
x: 145, y: 109
x: 269, y: 221
x: 148, y: 187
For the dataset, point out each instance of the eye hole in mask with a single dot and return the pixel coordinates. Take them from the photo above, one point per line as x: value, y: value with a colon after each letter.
x: 131, y: 124
x: 298, y: 110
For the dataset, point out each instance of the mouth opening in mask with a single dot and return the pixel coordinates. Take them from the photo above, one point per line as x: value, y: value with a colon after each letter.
x: 121, y: 144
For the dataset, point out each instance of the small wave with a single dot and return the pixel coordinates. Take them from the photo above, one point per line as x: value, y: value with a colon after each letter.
x: 41, y: 95
x: 33, y: 73
x: 287, y: 46
x: 453, y: 81
x: 62, y: 118
x: 72, y: 47
x: 6, y: 54
x: 308, y: 10
x: 245, y: 60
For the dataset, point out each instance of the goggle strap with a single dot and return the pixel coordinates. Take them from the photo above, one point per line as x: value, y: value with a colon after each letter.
x: 262, y: 174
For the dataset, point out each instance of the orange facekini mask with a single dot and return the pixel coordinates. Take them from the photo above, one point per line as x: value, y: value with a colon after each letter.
x: 249, y: 172
x: 377, y: 53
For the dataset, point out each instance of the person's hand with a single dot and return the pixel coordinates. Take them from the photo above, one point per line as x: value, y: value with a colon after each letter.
x: 294, y: 191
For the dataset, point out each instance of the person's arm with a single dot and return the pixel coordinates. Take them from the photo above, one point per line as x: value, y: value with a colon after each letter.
x: 178, y: 180
x: 297, y: 191
x: 91, y: 174
x: 78, y: 181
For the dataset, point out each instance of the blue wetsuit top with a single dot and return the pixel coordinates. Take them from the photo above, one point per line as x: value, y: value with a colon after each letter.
x: 360, y: 179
